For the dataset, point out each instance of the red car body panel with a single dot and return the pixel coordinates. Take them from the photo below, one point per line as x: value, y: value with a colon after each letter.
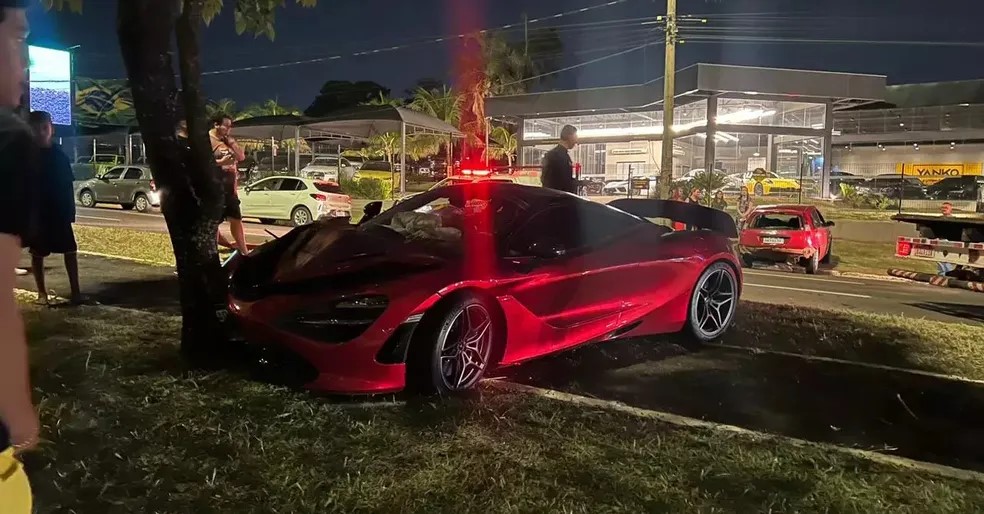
x: 803, y: 242
x: 638, y: 284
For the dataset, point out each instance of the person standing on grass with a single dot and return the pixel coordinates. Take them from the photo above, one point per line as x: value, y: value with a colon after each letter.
x: 944, y: 268
x: 19, y: 427
x: 226, y: 150
x: 557, y: 168
x: 55, y: 219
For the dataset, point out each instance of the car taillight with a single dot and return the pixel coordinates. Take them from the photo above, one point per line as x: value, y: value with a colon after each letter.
x: 320, y: 197
x: 903, y: 248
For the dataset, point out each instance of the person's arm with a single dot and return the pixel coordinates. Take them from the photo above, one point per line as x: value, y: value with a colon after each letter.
x: 16, y: 408
x: 238, y: 152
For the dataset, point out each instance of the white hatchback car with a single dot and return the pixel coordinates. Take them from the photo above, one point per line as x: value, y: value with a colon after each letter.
x: 294, y: 199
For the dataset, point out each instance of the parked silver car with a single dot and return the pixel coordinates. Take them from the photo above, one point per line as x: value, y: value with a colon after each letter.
x: 130, y: 187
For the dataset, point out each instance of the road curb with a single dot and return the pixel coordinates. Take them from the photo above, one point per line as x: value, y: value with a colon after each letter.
x: 683, y: 421
x: 937, y: 280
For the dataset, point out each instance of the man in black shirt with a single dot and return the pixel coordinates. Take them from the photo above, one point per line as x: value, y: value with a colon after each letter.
x: 18, y: 153
x: 557, y: 169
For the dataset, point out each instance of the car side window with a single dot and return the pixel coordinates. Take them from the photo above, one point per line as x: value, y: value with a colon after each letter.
x: 572, y: 225
x: 290, y: 184
x: 132, y: 174
x: 113, y: 174
x: 267, y: 185
x: 818, y: 218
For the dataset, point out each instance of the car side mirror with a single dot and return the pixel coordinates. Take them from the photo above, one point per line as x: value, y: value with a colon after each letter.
x: 829, y: 224
x: 371, y: 210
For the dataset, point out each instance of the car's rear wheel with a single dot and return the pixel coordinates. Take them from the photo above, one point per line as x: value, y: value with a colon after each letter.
x: 141, y: 203
x: 747, y: 261
x: 300, y: 216
x: 759, y: 189
x: 826, y: 256
x: 712, y: 305
x: 87, y: 199
x: 454, y: 346
x: 813, y: 263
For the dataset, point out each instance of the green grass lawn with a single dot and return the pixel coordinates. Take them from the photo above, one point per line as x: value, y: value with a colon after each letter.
x: 873, y: 258
x: 912, y: 343
x: 126, y: 430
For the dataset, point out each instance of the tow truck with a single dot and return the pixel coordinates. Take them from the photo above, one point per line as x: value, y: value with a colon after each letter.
x: 956, y: 239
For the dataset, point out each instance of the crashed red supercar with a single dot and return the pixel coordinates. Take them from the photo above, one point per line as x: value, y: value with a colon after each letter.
x: 437, y: 291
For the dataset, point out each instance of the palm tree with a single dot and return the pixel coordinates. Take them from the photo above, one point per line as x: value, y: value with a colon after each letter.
x: 224, y: 106
x: 443, y: 104
x: 269, y: 108
x: 382, y: 99
x: 387, y: 144
x: 504, y: 144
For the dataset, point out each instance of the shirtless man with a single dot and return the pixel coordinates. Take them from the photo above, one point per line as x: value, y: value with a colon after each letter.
x: 225, y: 147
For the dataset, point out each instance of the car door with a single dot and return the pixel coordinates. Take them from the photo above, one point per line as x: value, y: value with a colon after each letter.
x: 821, y: 231
x: 127, y: 184
x: 105, y: 187
x: 572, y: 256
x: 255, y: 200
x: 289, y: 194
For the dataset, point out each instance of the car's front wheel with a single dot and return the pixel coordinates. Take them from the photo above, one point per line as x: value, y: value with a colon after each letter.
x: 453, y: 346
x: 87, y: 199
x: 758, y: 189
x: 712, y: 305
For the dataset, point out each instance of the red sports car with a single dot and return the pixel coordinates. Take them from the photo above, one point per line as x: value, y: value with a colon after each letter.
x: 796, y: 234
x: 434, y: 292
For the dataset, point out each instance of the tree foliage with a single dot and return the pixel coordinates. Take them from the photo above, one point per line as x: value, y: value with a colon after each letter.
x: 342, y: 94
x: 503, y: 144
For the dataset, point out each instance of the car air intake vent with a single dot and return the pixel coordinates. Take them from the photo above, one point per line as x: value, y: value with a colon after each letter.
x: 339, y: 322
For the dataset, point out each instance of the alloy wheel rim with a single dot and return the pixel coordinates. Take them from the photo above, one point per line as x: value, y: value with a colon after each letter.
x: 465, y: 347
x: 141, y: 204
x: 301, y: 217
x: 714, y: 303
x: 87, y: 198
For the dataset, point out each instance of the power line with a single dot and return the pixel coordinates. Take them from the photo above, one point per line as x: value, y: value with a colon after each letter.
x: 585, y: 63
x: 440, y: 39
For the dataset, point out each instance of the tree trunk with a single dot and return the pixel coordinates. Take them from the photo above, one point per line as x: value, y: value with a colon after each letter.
x: 191, y: 198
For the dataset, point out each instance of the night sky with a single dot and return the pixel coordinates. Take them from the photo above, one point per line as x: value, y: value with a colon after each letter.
x: 348, y: 26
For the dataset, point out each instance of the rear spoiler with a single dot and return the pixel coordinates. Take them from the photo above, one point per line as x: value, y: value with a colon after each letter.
x: 681, y: 212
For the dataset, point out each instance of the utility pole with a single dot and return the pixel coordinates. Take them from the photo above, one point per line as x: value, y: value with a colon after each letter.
x: 669, y: 86
x: 526, y: 35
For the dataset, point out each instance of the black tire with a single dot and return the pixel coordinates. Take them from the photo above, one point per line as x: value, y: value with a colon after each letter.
x: 695, y: 332
x: 87, y: 198
x: 301, y: 215
x: 812, y: 264
x: 428, y: 354
x: 141, y: 203
x: 759, y: 189
x: 747, y: 261
x: 827, y: 256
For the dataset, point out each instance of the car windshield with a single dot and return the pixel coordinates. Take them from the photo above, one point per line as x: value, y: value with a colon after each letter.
x: 777, y: 220
x: 444, y: 214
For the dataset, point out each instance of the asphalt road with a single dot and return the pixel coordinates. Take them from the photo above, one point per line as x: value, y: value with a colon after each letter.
x: 761, y: 285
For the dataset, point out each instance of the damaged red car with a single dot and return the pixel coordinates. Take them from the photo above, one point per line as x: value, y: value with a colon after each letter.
x: 792, y: 234
x: 437, y: 291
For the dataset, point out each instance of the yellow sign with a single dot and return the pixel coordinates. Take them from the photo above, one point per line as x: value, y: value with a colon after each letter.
x: 932, y: 173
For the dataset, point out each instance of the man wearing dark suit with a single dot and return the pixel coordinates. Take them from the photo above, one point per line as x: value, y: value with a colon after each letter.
x: 557, y: 169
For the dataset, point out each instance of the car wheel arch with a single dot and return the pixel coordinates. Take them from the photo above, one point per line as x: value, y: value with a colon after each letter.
x: 435, y: 304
